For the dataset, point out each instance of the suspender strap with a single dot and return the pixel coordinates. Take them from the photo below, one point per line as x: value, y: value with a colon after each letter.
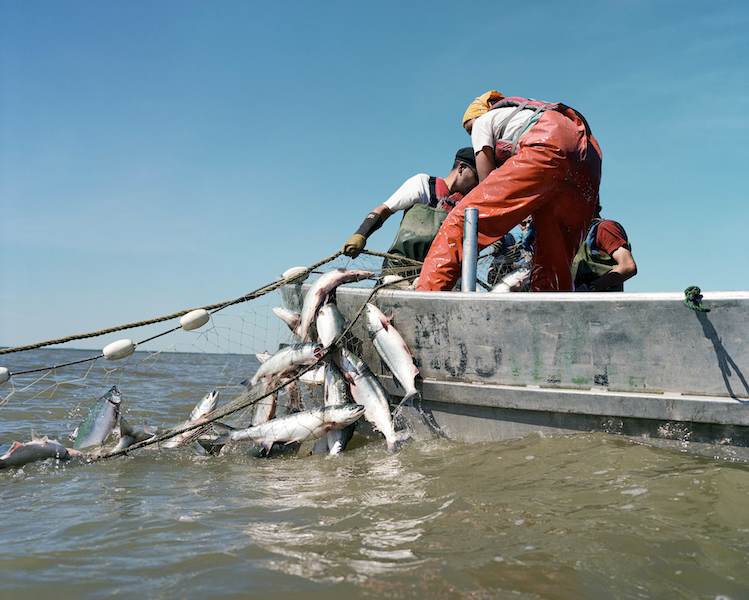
x: 591, y: 239
x: 506, y: 120
x: 521, y: 130
x: 538, y: 107
x: 433, y: 200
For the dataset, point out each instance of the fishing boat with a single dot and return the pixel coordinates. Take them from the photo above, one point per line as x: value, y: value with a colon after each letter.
x: 501, y: 366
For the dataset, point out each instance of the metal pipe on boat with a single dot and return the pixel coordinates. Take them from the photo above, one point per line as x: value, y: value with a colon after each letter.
x: 470, y: 249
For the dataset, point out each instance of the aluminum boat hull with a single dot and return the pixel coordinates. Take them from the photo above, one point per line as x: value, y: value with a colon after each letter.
x: 500, y: 366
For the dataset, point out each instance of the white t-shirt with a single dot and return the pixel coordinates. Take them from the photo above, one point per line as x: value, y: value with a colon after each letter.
x: 485, y: 130
x: 415, y: 190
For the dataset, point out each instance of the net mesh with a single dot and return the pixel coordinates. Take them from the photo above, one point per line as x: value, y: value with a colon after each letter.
x: 220, y: 355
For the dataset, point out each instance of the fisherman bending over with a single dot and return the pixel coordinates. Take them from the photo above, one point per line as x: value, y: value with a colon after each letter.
x: 426, y: 201
x: 604, y: 261
x: 532, y: 158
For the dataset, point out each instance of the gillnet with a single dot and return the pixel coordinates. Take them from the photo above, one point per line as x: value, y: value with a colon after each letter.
x: 171, y: 368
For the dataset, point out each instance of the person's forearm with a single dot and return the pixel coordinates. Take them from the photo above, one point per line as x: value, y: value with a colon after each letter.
x: 374, y: 220
x: 614, y: 277
x: 485, y: 163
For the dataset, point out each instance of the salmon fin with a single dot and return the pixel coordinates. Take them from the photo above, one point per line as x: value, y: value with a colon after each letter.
x: 36, y: 438
x: 211, y: 447
x: 14, y: 446
x: 222, y: 428
x: 125, y: 428
x: 320, y: 446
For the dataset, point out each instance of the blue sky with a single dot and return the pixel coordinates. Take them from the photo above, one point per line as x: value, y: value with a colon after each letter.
x: 157, y: 155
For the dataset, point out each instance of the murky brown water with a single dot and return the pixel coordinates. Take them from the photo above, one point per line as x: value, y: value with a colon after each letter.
x: 585, y: 516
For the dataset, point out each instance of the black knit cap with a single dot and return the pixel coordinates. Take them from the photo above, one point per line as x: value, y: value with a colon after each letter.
x: 466, y: 155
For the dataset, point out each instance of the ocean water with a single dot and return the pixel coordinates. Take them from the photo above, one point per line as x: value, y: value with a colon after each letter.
x: 581, y: 516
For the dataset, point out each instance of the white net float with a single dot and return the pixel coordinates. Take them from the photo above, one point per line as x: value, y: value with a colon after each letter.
x: 295, y: 274
x: 4, y: 375
x: 195, y: 319
x: 119, y: 349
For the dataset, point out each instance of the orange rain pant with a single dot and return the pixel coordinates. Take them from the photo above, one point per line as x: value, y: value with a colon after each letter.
x: 554, y: 177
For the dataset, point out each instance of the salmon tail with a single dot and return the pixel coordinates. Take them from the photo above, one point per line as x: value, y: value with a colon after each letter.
x: 409, y: 399
x: 400, y: 438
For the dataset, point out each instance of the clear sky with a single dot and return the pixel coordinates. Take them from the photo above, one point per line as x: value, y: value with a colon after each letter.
x: 158, y: 155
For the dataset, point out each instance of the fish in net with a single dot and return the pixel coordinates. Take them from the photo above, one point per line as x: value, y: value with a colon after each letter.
x: 173, y: 366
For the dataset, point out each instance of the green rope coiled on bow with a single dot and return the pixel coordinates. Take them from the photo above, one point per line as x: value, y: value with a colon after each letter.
x: 693, y: 299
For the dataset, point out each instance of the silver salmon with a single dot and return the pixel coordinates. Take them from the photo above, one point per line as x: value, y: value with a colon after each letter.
x: 20, y: 454
x: 288, y: 359
x: 293, y: 393
x: 265, y: 409
x: 298, y: 427
x: 330, y: 324
x: 321, y: 290
x: 336, y: 394
x: 132, y: 434
x: 393, y: 350
x: 100, y: 421
x: 291, y: 318
x: 202, y: 408
x: 367, y: 391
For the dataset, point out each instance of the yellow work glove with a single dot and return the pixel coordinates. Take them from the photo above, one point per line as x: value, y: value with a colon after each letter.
x: 354, y: 245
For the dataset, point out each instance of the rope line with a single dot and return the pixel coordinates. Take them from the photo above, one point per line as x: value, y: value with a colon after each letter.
x: 60, y: 366
x: 212, y: 308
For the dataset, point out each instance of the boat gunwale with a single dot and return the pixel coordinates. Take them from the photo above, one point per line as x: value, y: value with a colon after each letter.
x: 548, y: 296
